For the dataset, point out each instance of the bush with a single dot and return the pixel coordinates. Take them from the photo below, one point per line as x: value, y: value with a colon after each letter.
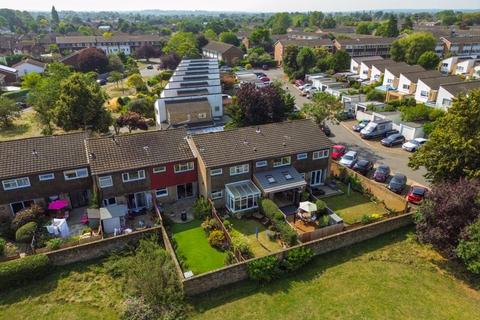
x: 216, y: 239
x: 19, y: 271
x: 248, y: 66
x: 375, y: 95
x: 297, y: 258
x: 32, y: 213
x: 202, y: 209
x: 271, y: 210
x: 468, y: 249
x: 228, y: 225
x: 136, y: 309
x: 54, y: 244
x: 321, y: 207
x: 5, y: 223
x: 366, y: 219
x: 25, y: 233
x: 240, y: 243
x: 305, y: 196
x: 264, y: 269
x: 268, y: 208
x: 210, y: 225
x: 287, y: 234
x: 3, y: 244
x: 324, y: 220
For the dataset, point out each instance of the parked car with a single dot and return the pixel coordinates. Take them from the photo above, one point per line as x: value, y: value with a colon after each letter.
x: 338, y: 151
x: 363, y: 166
x: 398, y: 183
x: 265, y: 79
x: 298, y: 83
x: 326, y: 130
x: 393, y: 140
x: 359, y: 126
x: 349, y: 159
x: 390, y: 132
x: 305, y: 86
x: 376, y: 129
x: 260, y: 74
x: 345, y: 115
x: 150, y: 67
x: 414, y: 144
x: 416, y: 194
x: 22, y: 105
x: 102, y: 82
x: 382, y: 173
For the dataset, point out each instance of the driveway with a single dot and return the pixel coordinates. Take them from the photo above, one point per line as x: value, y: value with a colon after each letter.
x: 395, y: 157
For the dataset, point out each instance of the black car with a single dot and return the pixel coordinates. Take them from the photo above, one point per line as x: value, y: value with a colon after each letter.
x: 363, y: 166
x: 393, y: 140
x: 382, y: 173
x: 398, y: 183
x: 102, y: 82
x: 149, y: 67
x: 326, y: 130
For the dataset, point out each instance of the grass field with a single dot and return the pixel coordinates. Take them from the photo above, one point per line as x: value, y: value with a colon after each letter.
x: 390, y: 277
x: 24, y: 127
x: 194, y: 249
x: 263, y: 245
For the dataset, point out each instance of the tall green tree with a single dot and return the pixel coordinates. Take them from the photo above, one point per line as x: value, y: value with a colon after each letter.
x: 323, y: 106
x: 280, y: 23
x: 229, y: 37
x: 407, y: 24
x: 290, y: 66
x: 260, y: 38
x: 429, y: 60
x: 340, y: 61
x: 8, y: 112
x: 411, y: 47
x: 54, y: 17
x: 184, y: 44
x: 305, y: 59
x: 210, y: 34
x: 453, y: 149
x: 81, y: 105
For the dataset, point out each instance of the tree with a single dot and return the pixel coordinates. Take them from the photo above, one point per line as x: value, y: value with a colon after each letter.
x: 329, y: 22
x: 30, y: 80
x: 280, y: 23
x: 315, y: 19
x: 447, y: 209
x: 290, y: 66
x: 202, y: 41
x: 170, y: 61
x: 184, y: 44
x: 210, y: 34
x: 136, y: 81
x: 469, y: 247
x: 429, y: 60
x: 453, y: 149
x: 146, y: 51
x: 260, y: 38
x: 323, y: 107
x: 363, y: 27
x: 8, y: 112
x: 81, y: 105
x: 229, y: 37
x: 305, y: 59
x: 411, y: 47
x: 407, y: 24
x: 116, y: 77
x: 115, y: 63
x: 142, y: 106
x: 132, y: 121
x: 340, y: 61
x: 54, y: 17
x: 92, y: 59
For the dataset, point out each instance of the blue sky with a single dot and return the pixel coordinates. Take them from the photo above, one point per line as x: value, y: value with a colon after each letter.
x: 243, y: 5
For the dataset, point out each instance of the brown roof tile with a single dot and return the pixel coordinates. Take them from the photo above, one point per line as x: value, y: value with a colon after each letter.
x: 219, y: 46
x: 306, y: 43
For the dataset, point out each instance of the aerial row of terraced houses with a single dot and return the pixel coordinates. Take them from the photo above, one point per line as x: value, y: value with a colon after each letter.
x: 233, y: 168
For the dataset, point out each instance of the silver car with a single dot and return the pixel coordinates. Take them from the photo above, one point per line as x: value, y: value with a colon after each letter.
x: 349, y: 159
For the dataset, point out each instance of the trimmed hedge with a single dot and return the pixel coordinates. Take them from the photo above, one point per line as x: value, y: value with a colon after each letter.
x: 25, y: 233
x: 271, y: 211
x: 19, y: 271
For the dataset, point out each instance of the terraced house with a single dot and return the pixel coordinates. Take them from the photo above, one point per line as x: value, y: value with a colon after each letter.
x: 278, y: 160
x: 43, y: 169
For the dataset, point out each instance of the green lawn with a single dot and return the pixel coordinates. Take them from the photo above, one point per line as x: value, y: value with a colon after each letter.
x: 194, y: 250
x: 261, y: 246
x: 354, y: 206
x: 390, y: 277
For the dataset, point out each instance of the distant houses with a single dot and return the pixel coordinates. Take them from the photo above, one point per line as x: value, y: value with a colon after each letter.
x: 280, y: 45
x: 224, y: 52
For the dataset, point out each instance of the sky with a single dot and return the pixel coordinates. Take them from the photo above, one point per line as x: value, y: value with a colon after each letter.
x: 243, y: 5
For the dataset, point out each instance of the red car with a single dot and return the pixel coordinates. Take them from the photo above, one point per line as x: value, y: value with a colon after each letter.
x: 265, y: 79
x: 299, y: 83
x: 338, y: 151
x: 416, y: 194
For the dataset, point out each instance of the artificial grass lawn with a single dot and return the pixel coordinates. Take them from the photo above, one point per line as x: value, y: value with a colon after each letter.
x: 354, y: 206
x: 194, y: 250
x: 389, y: 277
x: 261, y: 246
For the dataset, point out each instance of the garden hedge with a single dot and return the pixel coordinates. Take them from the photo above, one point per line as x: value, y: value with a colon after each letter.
x: 25, y: 233
x: 271, y: 211
x: 15, y: 272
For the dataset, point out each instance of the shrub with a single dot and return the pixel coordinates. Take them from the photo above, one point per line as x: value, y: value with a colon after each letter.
x: 321, y: 207
x: 216, y: 239
x: 366, y: 219
x: 228, y: 225
x: 305, y: 196
x: 375, y: 95
x: 268, y: 208
x: 201, y: 209
x: 271, y: 210
x: 264, y: 269
x: 32, y: 213
x: 136, y: 309
x: 54, y: 244
x: 240, y: 243
x: 248, y: 66
x: 210, y: 225
x: 19, y: 271
x: 468, y: 249
x: 3, y: 244
x: 297, y: 258
x: 5, y: 223
x: 287, y: 234
x: 324, y: 220
x: 25, y: 233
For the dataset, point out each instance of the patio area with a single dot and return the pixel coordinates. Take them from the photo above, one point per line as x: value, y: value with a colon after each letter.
x: 174, y: 210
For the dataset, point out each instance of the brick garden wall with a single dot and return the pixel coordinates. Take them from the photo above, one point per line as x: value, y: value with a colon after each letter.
x: 238, y: 272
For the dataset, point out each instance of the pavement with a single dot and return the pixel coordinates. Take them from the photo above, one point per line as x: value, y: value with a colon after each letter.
x: 395, y: 157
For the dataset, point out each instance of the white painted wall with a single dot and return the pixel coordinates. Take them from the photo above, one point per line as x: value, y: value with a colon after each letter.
x: 354, y: 66
x: 364, y: 71
x: 464, y: 67
x: 177, y: 85
x: 388, y: 78
x: 25, y: 68
x: 444, y: 99
x: 375, y: 74
x: 404, y: 84
x: 114, y: 48
x: 422, y: 92
x: 173, y: 92
x: 181, y: 78
x: 446, y: 66
x: 215, y: 101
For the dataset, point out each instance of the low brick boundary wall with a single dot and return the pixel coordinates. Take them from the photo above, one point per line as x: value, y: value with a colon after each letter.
x: 238, y: 272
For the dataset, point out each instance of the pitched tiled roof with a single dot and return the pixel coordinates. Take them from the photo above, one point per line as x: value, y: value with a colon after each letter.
x: 259, y: 142
x: 306, y: 43
x: 138, y: 150
x: 219, y: 46
x: 462, y: 87
x: 397, y: 69
x: 42, y: 154
x: 414, y: 76
x: 365, y: 41
x: 30, y: 61
x: 463, y: 40
x: 435, y: 83
x: 112, y: 39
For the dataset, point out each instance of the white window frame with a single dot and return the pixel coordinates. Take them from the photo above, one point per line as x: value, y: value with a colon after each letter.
x: 106, y: 202
x: 215, y: 195
x: 216, y: 172
x: 79, y: 174
x: 423, y: 93
x: 107, y: 179
x: 302, y: 156
x: 321, y: 154
x: 239, y: 169
x: 46, y: 176
x: 159, y: 169
x: 184, y: 167
x: 261, y: 163
x: 140, y: 174
x: 163, y: 193
x: 25, y: 183
x: 282, y: 163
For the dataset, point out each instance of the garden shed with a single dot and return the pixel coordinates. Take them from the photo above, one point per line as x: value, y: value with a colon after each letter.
x: 113, y: 218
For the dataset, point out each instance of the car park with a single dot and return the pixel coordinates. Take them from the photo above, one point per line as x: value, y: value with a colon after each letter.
x: 398, y: 183
x: 338, y: 151
x: 393, y: 140
x: 360, y: 125
x: 363, y: 167
x: 376, y: 129
x: 414, y: 144
x: 382, y: 173
x: 349, y: 159
x: 416, y: 194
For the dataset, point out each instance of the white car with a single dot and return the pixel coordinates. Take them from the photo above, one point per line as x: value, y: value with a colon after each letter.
x: 305, y: 86
x: 349, y: 159
x: 414, y: 144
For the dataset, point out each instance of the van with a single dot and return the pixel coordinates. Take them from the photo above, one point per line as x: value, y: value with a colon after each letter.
x: 376, y: 129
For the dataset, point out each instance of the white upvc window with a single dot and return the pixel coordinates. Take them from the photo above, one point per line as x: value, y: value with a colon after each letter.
x: 133, y: 176
x: 261, y: 163
x: 105, y: 181
x: 159, y: 169
x: 159, y: 193
x: 322, y: 154
x: 302, y: 156
x: 46, y: 176
x: 216, y: 172
x: 424, y: 93
x: 75, y: 174
x: 283, y: 161
x: 240, y: 169
x: 216, y: 194
x: 183, y: 167
x: 16, y: 183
